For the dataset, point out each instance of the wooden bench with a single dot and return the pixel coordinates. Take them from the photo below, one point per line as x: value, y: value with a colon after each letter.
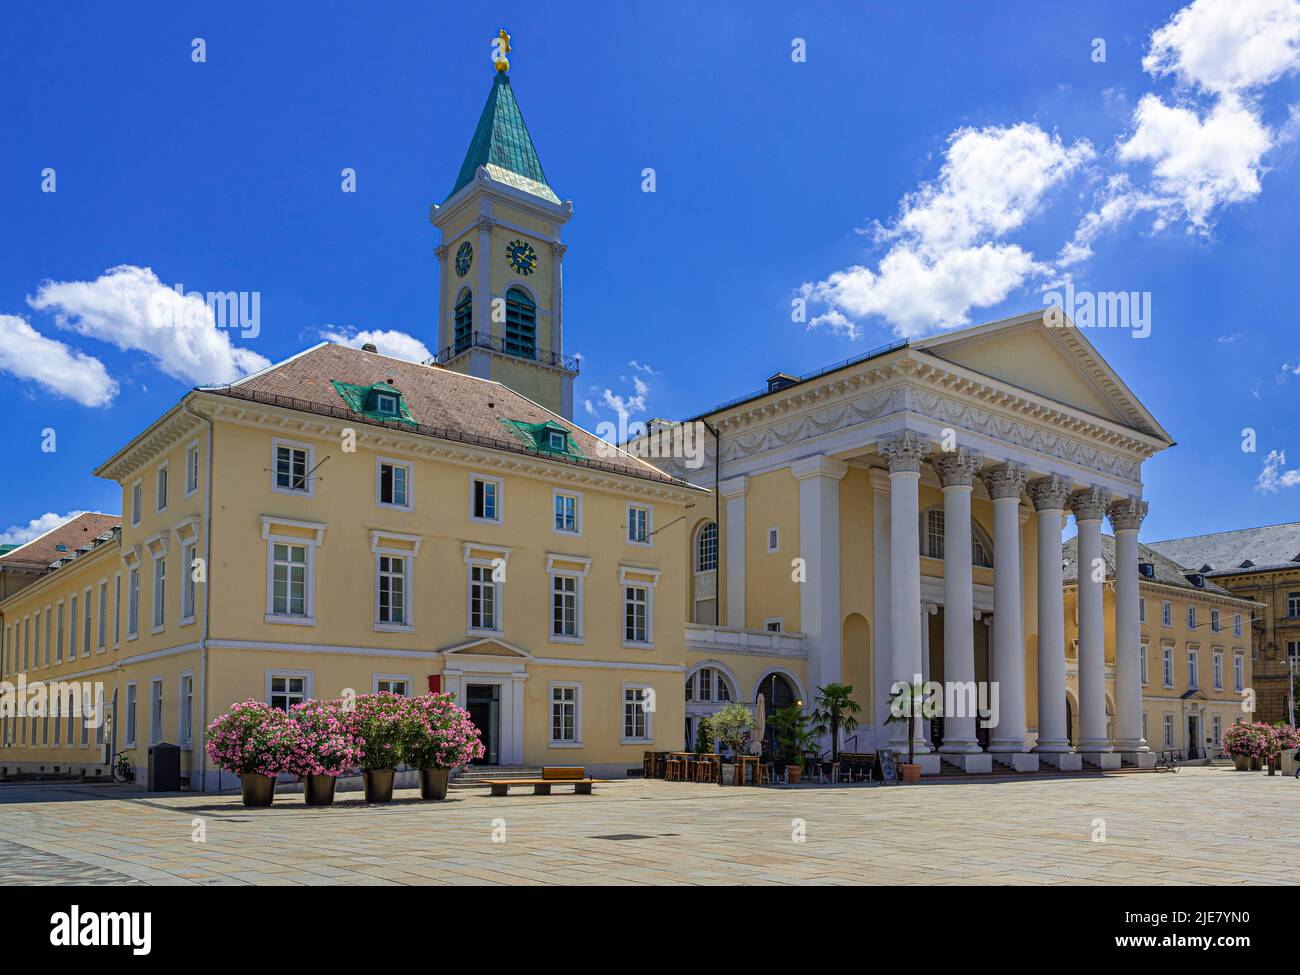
x: 551, y: 775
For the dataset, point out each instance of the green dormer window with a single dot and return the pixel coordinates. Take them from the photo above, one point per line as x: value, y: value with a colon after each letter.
x: 386, y: 403
x: 548, y: 438
x: 558, y: 441
x: 380, y: 401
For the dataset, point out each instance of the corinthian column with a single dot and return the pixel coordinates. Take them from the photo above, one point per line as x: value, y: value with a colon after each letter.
x: 1126, y: 518
x: 956, y: 472
x: 1004, y: 484
x: 1089, y: 507
x: 1050, y: 496
x: 904, y: 455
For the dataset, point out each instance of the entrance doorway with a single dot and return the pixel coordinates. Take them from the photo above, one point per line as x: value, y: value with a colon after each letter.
x: 1193, y: 736
x: 777, y: 693
x: 483, y: 702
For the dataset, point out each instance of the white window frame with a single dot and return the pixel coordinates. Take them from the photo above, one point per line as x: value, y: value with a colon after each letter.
x: 162, y: 487
x: 576, y: 531
x: 395, y: 401
x: 1142, y: 610
x: 407, y: 576
x: 1216, y: 621
x: 1236, y: 624
x: 1143, y: 664
x: 1167, y: 666
x: 137, y: 501
x: 309, y: 486
x: 1192, y: 623
x: 579, y: 575
x: 157, y: 593
x: 312, y: 542
x: 1166, y: 613
x: 1216, y: 661
x: 184, y: 712
x: 576, y: 741
x: 101, y: 618
x: 117, y: 610
x: 189, y: 588
x: 774, y: 539
x: 1193, y: 668
x: 409, y: 679
x: 1238, y: 671
x: 779, y: 622
x: 60, y: 630
x: 649, y: 735
x: 473, y: 562
x: 133, y: 602
x: 274, y: 672
x: 192, y: 469
x: 87, y: 619
x: 157, y: 709
x: 624, y: 583
x: 406, y: 465
x: 649, y: 524
x: 498, y: 495
x: 1169, y: 731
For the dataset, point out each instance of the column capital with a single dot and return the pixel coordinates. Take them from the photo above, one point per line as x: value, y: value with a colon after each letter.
x: 733, y: 487
x: 484, y: 224
x: 1090, y: 504
x: 818, y: 466
x: 957, y: 468
x: 1050, y: 493
x: 1127, y: 514
x: 440, y: 252
x: 558, y: 250
x: 1005, y: 481
x: 905, y: 452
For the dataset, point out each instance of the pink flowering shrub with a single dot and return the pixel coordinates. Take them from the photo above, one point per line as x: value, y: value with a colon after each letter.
x: 439, y: 734
x: 1250, y: 740
x: 251, y: 737
x: 1287, y: 736
x: 324, y: 743
x: 376, y: 722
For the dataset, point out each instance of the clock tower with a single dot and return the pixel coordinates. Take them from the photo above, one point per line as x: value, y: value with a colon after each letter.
x: 500, y: 285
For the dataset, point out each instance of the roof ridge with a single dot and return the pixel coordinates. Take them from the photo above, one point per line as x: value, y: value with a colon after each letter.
x: 1228, y: 531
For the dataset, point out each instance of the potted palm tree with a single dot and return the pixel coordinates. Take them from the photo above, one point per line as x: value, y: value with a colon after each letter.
x: 794, y: 740
x: 904, y: 703
x: 835, y: 712
x: 732, y: 725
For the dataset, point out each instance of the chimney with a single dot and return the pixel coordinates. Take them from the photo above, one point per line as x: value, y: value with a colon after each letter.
x: 780, y: 380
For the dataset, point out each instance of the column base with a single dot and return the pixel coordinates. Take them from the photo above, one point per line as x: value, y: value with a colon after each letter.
x: 1107, y: 761
x: 1090, y: 746
x: 1017, y: 761
x: 972, y: 763
x: 1008, y: 746
x: 1145, y: 759
x: 929, y: 763
x: 1131, y: 745
x: 1065, y: 761
x: 960, y: 746
x: 1048, y: 746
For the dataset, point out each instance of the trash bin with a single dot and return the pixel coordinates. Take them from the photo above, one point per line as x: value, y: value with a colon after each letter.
x: 165, y: 768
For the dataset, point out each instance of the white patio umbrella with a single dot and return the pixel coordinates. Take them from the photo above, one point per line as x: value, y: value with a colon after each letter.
x: 760, y: 726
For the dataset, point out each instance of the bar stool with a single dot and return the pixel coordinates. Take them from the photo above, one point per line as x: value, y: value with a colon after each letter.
x: 648, y: 764
x: 764, y: 774
x: 676, y: 769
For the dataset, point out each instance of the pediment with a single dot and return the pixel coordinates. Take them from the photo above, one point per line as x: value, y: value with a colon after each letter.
x: 487, y: 647
x: 1057, y: 363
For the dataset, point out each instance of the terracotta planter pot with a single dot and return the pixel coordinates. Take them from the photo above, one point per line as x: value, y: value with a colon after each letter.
x: 433, y: 783
x: 379, y: 784
x: 258, y: 789
x: 1241, y: 762
x: 318, y: 790
x: 911, y: 773
x: 793, y: 774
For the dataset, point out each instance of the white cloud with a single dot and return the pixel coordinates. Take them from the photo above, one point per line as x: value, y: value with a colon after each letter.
x: 1199, y: 162
x: 54, y: 366
x: 399, y: 345
x: 21, y: 534
x: 130, y: 308
x: 642, y: 367
x: 947, y: 255
x: 1273, y: 477
x: 1227, y: 46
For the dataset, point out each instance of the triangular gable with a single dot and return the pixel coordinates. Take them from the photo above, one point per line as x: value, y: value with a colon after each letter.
x: 1057, y: 363
x: 487, y: 647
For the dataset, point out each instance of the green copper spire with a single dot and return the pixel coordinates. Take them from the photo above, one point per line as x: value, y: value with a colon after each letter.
x: 502, y: 144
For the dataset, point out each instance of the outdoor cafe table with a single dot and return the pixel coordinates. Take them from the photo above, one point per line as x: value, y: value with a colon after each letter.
x: 744, y: 762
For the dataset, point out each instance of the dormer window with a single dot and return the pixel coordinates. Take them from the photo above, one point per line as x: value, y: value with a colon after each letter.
x: 1246, y: 565
x: 557, y: 441
x: 1197, y: 580
x: 1147, y: 569
x: 386, y: 404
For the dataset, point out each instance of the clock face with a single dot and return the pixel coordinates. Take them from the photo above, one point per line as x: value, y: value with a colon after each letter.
x: 464, y: 257
x: 521, y: 256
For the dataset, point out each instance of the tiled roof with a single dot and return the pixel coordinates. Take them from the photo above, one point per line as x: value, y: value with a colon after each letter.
x: 502, y: 144
x: 72, y: 535
x: 1268, y: 547
x: 444, y: 404
x: 1167, y: 571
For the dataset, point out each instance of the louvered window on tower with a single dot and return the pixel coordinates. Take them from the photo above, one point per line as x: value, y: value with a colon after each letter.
x: 465, y: 320
x: 521, y: 324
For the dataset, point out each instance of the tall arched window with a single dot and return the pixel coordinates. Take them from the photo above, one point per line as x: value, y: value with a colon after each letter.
x: 705, y: 555
x: 521, y: 324
x: 932, y: 529
x: 464, y: 313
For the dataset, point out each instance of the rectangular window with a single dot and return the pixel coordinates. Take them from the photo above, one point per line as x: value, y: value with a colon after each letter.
x: 1293, y: 604
x: 1193, y: 679
x: 186, y: 705
x: 1142, y: 661
x: 1236, y: 624
x: 394, y: 485
x: 1293, y: 648
x: 1218, y: 731
x: 117, y: 609
x: 86, y: 624
x: 1214, y: 621
x: 132, y: 603
x: 155, y: 711
x: 636, y: 614
x: 137, y: 501
x: 58, y: 646
x: 162, y: 488
x: 1142, y: 610
x: 130, y: 716
x: 58, y: 730
x: 564, y: 713
x: 487, y: 499
x: 392, y: 685
x: 1191, y: 617
x: 288, y: 579
x: 636, y: 713
x: 74, y: 621
x: 638, y: 524
x: 291, y: 469
x: 1238, y: 672
x: 1218, y: 670
x: 191, y: 469
x: 1167, y: 667
x: 287, y: 690
x: 101, y: 631
x: 566, y: 513
x: 159, y: 593
x: 36, y: 645
x: 1169, y: 731
x: 773, y: 539
x: 188, y: 587
x: 564, y: 606
x: 392, y: 590
x: 1166, y: 613
x: 482, y: 598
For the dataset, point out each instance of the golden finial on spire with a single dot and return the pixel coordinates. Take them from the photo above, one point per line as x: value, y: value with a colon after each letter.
x: 500, y: 48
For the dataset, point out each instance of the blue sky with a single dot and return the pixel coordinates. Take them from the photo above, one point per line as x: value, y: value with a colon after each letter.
x: 951, y: 152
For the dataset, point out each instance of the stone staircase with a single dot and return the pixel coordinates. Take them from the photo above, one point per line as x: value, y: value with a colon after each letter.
x: 475, y: 776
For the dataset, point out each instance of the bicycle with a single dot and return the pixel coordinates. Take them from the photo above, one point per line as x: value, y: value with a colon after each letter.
x: 1167, y: 762
x: 122, y: 771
